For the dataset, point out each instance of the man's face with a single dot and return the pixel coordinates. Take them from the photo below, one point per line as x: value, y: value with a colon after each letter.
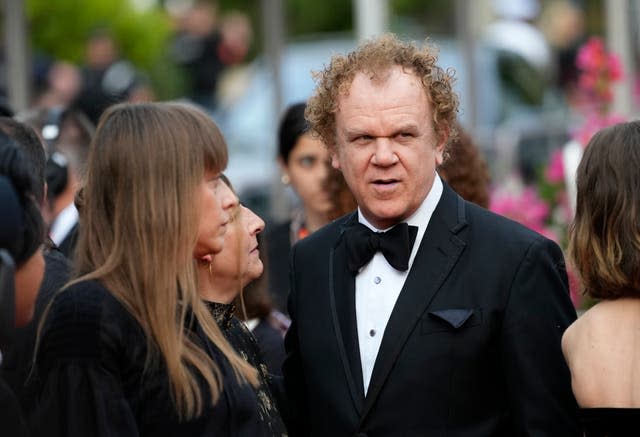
x: 387, y: 148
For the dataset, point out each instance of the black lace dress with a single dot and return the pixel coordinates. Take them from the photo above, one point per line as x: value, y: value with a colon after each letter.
x: 245, y: 344
x: 94, y: 379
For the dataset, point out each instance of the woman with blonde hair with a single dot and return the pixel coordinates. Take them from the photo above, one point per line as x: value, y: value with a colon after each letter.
x: 128, y: 348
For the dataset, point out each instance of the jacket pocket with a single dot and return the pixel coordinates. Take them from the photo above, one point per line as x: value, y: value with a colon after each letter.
x: 450, y: 320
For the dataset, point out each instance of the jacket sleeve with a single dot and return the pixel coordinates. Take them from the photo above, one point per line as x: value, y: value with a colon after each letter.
x: 537, y: 313
x: 296, y: 415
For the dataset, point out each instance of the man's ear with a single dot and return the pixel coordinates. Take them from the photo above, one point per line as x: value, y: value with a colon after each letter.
x: 442, y: 142
x: 335, y: 161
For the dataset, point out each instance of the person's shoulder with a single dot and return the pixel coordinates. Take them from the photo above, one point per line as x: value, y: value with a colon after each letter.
x: 85, y: 305
x: 91, y: 293
x: 499, y: 228
x: 598, y: 325
x: 81, y: 320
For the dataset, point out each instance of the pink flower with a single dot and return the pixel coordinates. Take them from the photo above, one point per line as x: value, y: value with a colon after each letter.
x: 593, y: 124
x: 525, y: 207
x: 554, y: 173
x: 599, y: 70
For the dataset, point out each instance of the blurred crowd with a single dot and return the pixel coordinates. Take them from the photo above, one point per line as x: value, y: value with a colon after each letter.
x: 98, y: 182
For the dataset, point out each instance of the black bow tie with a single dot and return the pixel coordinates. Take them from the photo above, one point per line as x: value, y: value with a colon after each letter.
x: 395, y: 244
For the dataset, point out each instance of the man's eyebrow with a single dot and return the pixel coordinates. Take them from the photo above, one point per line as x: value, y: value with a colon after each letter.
x: 409, y: 127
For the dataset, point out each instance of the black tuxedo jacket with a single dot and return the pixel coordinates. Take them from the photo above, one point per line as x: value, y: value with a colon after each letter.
x: 472, y: 347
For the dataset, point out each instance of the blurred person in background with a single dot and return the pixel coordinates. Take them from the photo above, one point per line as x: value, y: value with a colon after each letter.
x: 302, y: 159
x: 21, y: 264
x: 465, y: 169
x: 524, y: 58
x: 128, y: 348
x: 69, y: 133
x: 601, y: 347
x: 106, y: 77
x: 221, y: 283
x: 205, y: 45
x: 63, y: 84
x: 564, y: 25
x: 18, y: 358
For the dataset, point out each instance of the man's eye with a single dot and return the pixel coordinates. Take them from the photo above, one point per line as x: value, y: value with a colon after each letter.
x: 364, y: 138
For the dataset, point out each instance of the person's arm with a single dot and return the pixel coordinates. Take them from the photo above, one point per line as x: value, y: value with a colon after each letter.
x: 296, y: 415
x: 80, y: 392
x: 537, y: 313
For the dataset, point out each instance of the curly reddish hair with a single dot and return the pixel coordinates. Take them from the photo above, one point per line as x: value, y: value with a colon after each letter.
x: 466, y: 171
x: 375, y: 57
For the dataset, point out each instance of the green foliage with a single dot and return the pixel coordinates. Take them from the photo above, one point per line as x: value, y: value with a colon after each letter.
x: 60, y: 28
x: 305, y: 16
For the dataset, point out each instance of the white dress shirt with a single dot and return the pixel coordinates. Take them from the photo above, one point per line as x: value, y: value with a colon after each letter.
x: 62, y: 225
x: 378, y: 285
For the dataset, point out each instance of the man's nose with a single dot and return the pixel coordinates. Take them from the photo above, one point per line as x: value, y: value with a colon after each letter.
x: 384, y: 154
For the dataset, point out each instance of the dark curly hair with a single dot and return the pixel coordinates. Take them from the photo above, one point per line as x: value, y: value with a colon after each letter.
x: 374, y: 57
x: 14, y: 165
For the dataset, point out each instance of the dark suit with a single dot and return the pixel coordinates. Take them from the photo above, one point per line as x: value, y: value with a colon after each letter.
x: 472, y: 347
x: 277, y: 240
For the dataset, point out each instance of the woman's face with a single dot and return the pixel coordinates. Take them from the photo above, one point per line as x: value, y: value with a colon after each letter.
x: 27, y: 283
x: 307, y: 170
x: 216, y: 202
x: 240, y: 257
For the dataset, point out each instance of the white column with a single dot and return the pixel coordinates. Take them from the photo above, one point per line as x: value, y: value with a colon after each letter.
x: 17, y: 54
x: 371, y: 17
x: 619, y: 42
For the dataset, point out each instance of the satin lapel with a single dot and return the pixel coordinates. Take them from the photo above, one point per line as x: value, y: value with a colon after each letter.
x: 343, y: 311
x: 438, y: 252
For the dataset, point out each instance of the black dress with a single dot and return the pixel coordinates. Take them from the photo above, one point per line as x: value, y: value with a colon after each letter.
x: 18, y: 358
x: 610, y: 422
x: 245, y: 344
x: 94, y: 381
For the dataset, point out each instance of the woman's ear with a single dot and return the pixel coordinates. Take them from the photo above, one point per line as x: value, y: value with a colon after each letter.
x: 284, y: 170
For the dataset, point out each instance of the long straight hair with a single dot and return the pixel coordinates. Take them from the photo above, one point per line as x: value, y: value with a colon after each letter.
x: 139, y: 218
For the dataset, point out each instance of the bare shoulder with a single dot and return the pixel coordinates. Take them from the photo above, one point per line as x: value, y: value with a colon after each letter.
x: 583, y: 330
x: 602, y: 326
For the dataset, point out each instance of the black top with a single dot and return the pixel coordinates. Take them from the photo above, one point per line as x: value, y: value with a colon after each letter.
x: 278, y: 244
x: 18, y: 358
x: 11, y: 421
x: 610, y: 422
x: 94, y: 382
x: 245, y: 344
x: 271, y: 342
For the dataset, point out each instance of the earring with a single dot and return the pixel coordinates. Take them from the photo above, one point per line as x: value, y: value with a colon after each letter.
x: 210, y: 268
x: 285, y: 179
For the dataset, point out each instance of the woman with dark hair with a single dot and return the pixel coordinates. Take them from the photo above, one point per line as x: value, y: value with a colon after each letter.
x: 302, y: 158
x: 221, y: 284
x: 21, y: 263
x: 129, y: 348
x: 601, y: 347
x: 25, y: 247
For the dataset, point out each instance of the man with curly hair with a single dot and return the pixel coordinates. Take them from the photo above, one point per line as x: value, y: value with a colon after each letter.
x: 420, y: 314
